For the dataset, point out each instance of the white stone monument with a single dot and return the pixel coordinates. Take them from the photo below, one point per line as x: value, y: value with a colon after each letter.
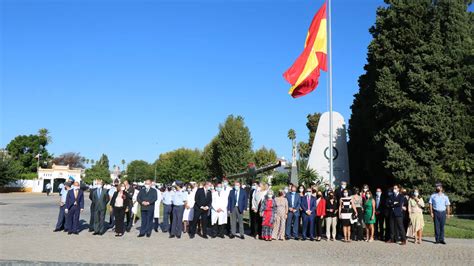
x: 319, y: 156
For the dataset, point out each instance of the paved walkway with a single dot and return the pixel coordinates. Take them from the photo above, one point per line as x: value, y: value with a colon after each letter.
x: 26, y: 237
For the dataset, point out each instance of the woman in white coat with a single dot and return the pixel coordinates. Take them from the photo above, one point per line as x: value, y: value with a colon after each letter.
x: 219, y: 211
x: 156, y: 214
x: 188, y: 214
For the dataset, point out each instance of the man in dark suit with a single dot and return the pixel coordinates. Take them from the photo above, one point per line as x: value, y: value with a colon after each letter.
x: 74, y: 207
x: 397, y: 229
x: 130, y: 190
x: 99, y: 197
x: 308, y: 207
x: 236, y: 206
x: 293, y: 219
x: 202, y: 204
x: 147, y: 198
x: 379, y: 214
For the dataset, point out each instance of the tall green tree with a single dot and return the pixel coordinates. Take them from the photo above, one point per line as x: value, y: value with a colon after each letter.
x: 104, y: 161
x: 10, y: 170
x: 25, y: 150
x: 139, y: 170
x: 412, y: 120
x: 264, y: 156
x: 234, y: 146
x: 181, y: 164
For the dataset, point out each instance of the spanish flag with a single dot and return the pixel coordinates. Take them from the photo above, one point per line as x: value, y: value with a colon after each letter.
x: 303, y: 75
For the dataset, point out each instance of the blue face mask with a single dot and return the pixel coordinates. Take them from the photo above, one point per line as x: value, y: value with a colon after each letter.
x: 218, y: 189
x: 237, y: 187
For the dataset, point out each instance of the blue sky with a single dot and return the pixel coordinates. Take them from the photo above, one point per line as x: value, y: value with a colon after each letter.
x: 134, y: 79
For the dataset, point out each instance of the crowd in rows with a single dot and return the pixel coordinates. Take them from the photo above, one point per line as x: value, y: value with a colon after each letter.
x: 295, y: 212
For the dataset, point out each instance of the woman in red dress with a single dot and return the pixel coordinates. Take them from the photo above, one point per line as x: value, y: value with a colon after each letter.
x: 267, y: 211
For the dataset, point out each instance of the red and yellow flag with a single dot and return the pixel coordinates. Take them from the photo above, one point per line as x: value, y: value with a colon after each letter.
x: 303, y: 75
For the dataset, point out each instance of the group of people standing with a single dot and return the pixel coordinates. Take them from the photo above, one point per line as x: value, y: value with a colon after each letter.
x: 216, y: 210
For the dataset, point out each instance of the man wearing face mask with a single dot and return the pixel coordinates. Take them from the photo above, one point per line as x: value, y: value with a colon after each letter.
x: 74, y: 207
x: 99, y: 197
x: 379, y: 215
x: 147, y: 198
x: 396, y: 223
x: 202, y: 205
x: 180, y: 198
x: 308, y: 206
x: 388, y: 213
x: 237, y: 204
x: 254, y: 209
x: 439, y: 210
x: 292, y: 221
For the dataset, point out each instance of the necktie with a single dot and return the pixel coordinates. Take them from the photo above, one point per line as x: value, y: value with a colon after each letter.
x: 98, y: 192
x: 308, y: 203
x: 292, y: 200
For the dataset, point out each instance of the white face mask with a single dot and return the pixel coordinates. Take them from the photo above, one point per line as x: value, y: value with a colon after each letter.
x: 122, y: 188
x: 365, y: 189
x: 99, y: 185
x: 416, y: 193
x: 343, y: 186
x: 346, y: 194
x: 301, y: 190
x: 147, y: 186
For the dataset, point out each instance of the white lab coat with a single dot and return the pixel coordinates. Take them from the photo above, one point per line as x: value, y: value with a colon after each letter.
x: 135, y: 202
x: 219, y: 202
x: 159, y: 197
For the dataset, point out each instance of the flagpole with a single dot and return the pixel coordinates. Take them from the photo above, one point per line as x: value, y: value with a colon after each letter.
x: 331, y: 140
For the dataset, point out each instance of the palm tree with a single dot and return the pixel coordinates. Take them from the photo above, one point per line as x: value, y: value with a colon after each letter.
x: 43, y: 132
x: 123, y: 164
x: 92, y: 161
x: 291, y: 134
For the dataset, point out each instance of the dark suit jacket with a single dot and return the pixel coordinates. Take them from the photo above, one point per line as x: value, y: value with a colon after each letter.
x: 396, y: 204
x: 311, y: 207
x: 201, y: 200
x: 70, y: 200
x: 297, y: 201
x: 100, y: 202
x: 151, y: 197
x: 381, y: 208
x: 242, y: 200
x: 126, y: 200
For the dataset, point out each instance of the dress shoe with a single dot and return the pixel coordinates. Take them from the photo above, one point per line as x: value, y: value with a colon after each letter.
x: 171, y: 236
x: 156, y: 230
x: 231, y: 236
x: 242, y: 237
x: 91, y: 230
x: 69, y: 233
x: 128, y: 230
x: 191, y: 236
x: 141, y: 235
x: 148, y: 235
x: 311, y: 239
x: 178, y: 237
x: 95, y: 233
x: 205, y: 237
x: 221, y: 236
x: 57, y: 230
x: 442, y: 242
x: 296, y: 238
x: 76, y: 233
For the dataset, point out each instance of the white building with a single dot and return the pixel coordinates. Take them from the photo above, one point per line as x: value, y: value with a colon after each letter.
x: 56, y: 175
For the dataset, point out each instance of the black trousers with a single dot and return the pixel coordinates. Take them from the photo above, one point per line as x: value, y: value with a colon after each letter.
x: 128, y: 216
x: 357, y: 231
x: 254, y: 224
x: 388, y: 231
x: 397, y: 229
x: 319, y: 226
x: 91, y: 220
x: 218, y: 229
x: 99, y: 221
x: 119, y: 213
x: 199, y: 214
x: 378, y: 226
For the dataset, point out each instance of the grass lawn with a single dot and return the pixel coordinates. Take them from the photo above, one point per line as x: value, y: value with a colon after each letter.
x: 455, y: 227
